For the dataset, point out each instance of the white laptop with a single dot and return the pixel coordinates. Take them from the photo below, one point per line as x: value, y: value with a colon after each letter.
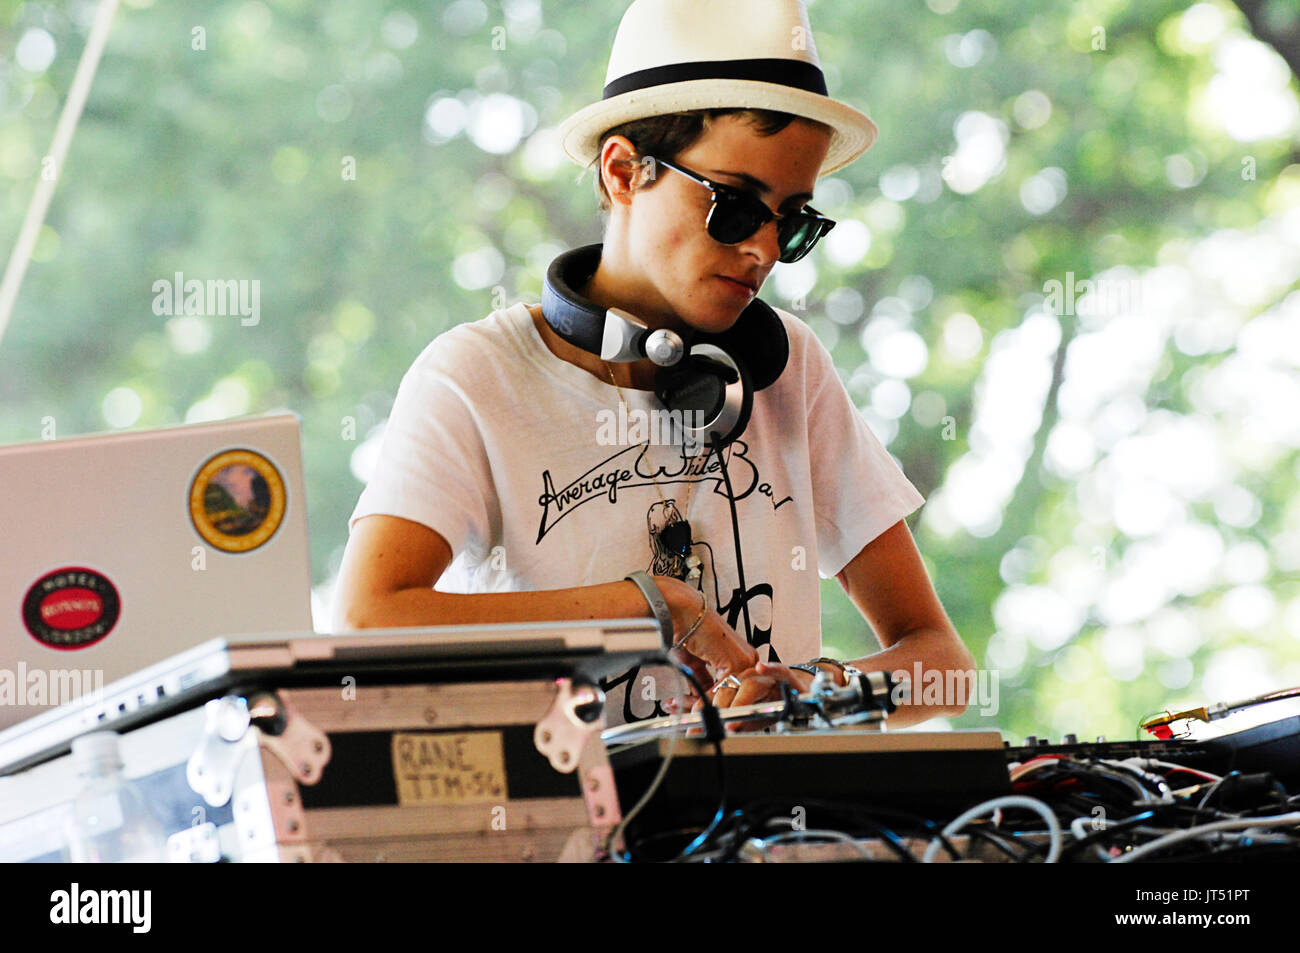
x: 123, y: 549
x: 494, y: 652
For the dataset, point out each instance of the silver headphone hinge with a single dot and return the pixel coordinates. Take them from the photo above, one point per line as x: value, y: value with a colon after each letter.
x: 626, y: 339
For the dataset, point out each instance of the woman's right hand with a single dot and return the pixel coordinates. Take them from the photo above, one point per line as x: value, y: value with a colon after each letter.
x: 715, y: 650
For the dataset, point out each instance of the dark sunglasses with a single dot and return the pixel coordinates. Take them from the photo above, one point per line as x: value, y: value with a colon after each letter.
x: 736, y: 215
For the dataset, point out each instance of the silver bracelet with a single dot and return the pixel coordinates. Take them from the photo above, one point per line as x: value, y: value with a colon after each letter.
x: 658, y: 604
x: 704, y: 608
x: 847, y: 670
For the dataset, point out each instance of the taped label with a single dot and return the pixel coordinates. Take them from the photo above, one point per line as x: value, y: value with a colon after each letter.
x: 449, y: 768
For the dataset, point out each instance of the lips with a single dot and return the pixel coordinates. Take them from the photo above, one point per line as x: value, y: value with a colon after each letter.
x: 746, y: 282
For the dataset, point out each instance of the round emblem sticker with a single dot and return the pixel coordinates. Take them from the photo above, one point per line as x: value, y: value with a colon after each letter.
x: 237, y: 500
x: 71, y: 608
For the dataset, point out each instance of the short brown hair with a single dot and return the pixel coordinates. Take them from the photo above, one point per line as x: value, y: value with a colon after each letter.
x: 669, y: 135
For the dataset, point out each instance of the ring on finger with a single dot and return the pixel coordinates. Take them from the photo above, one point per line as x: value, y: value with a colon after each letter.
x: 729, y: 682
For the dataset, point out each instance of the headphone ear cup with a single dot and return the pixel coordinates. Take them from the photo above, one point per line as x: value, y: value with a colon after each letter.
x: 757, y: 341
x: 746, y: 405
x: 697, y: 388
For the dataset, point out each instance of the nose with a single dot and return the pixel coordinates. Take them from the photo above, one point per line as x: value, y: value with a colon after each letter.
x: 764, y: 245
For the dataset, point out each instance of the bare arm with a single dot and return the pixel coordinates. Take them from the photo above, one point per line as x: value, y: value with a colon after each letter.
x: 391, y: 564
x: 889, y: 585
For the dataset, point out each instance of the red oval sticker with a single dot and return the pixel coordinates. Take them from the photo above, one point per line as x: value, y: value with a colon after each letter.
x: 72, y: 608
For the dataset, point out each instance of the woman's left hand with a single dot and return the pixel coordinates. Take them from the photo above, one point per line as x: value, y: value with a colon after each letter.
x: 758, y: 684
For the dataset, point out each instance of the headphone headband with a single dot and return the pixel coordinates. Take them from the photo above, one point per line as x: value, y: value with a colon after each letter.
x: 570, y: 315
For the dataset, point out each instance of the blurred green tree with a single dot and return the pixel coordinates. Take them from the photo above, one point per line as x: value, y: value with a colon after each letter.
x: 1060, y: 289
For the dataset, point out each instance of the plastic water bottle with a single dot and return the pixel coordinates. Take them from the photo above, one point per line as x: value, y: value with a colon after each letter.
x: 111, y: 822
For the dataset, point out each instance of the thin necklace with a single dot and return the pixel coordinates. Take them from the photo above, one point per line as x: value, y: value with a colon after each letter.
x: 675, y: 536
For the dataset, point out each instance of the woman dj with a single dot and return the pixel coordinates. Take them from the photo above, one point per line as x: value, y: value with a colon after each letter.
x: 514, y: 472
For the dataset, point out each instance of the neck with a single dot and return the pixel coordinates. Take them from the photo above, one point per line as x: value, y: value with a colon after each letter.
x: 616, y: 284
x: 638, y: 376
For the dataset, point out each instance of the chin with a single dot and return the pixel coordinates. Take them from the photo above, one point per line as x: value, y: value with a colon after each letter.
x: 710, y: 326
x: 713, y: 319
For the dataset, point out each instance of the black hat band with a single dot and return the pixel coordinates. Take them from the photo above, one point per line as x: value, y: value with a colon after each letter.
x: 796, y: 74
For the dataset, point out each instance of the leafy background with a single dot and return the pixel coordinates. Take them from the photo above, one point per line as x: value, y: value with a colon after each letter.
x: 1111, y: 517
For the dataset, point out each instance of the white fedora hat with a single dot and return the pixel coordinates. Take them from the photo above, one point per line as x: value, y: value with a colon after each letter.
x: 676, y: 55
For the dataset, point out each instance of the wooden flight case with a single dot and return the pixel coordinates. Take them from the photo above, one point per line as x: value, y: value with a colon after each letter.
x: 495, y: 761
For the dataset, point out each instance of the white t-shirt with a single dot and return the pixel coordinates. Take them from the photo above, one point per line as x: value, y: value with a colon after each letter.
x: 505, y: 450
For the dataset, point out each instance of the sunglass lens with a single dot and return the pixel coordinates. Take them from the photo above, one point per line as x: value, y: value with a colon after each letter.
x: 798, y: 237
x: 734, y: 218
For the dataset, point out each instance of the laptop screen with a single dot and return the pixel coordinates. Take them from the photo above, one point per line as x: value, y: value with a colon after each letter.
x: 125, y: 548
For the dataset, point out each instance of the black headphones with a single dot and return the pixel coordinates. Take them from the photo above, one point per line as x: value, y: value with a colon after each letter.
x: 714, y: 383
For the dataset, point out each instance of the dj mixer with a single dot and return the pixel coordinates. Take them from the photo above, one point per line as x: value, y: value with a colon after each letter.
x: 805, y: 789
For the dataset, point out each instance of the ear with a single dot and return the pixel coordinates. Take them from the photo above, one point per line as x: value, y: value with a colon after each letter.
x: 624, y: 169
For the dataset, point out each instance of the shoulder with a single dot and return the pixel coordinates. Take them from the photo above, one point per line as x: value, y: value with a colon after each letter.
x: 470, y: 347
x: 809, y: 359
